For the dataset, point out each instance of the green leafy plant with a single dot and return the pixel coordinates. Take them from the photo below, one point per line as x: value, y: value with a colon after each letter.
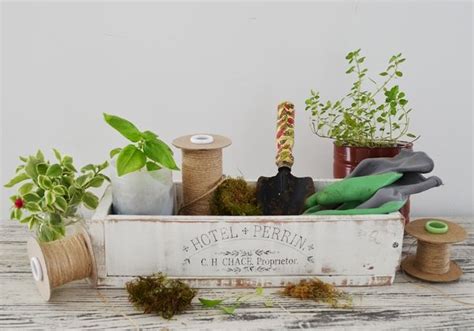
x: 146, y: 150
x: 229, y: 305
x: 50, y: 193
x: 375, y: 117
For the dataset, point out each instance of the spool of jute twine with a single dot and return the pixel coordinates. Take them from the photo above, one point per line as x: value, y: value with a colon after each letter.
x: 432, y: 261
x: 61, y: 261
x: 201, y: 170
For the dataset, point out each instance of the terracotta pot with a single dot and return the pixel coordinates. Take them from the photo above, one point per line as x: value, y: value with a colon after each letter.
x: 346, y: 158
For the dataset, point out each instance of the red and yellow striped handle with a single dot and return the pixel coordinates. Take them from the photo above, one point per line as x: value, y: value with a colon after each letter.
x: 285, y: 134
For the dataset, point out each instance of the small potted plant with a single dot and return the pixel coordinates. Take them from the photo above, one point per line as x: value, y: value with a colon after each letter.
x: 370, y: 121
x: 51, y: 193
x: 142, y: 182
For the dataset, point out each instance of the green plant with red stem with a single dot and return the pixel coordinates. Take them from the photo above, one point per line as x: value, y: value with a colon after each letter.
x: 51, y: 193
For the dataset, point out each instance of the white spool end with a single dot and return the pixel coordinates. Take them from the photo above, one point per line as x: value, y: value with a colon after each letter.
x: 202, y: 139
x: 36, y: 269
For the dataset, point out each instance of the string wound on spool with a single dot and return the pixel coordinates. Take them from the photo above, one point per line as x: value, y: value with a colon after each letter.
x: 59, y: 262
x: 432, y: 260
x: 201, y: 170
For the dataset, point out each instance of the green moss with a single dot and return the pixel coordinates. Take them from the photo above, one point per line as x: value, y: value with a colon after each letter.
x: 159, y: 294
x: 236, y: 198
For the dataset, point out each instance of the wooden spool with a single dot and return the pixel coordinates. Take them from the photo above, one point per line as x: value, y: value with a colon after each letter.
x: 201, y: 170
x: 412, y: 266
x: 41, y: 266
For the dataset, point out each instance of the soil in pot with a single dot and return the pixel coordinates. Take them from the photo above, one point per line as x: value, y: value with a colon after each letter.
x: 346, y: 158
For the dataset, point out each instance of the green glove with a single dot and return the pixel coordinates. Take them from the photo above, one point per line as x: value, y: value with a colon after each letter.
x: 388, y: 207
x: 352, y: 189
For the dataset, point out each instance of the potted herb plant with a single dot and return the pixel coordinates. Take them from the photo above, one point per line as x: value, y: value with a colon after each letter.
x: 142, y: 181
x: 372, y: 120
x: 51, y: 193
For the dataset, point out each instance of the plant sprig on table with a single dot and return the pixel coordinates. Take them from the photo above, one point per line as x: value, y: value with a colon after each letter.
x: 364, y: 117
x: 50, y: 193
x: 229, y: 305
x: 146, y: 150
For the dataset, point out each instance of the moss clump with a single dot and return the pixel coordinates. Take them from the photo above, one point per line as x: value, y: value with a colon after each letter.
x: 319, y: 291
x: 159, y: 294
x: 236, y: 198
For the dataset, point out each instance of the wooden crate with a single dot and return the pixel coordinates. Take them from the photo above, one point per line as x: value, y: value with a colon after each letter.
x: 234, y: 251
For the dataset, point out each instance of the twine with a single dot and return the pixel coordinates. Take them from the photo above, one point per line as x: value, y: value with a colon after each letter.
x: 67, y: 259
x: 202, y: 174
x: 417, y: 283
x: 432, y: 258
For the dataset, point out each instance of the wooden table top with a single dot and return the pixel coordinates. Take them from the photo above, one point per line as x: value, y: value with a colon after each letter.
x: 405, y: 304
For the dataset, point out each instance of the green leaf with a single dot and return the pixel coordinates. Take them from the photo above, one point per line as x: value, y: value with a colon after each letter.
x: 96, y: 181
x: 90, y: 200
x: 102, y: 166
x: 411, y: 135
x: 126, y: 128
x: 41, y: 168
x: 26, y: 219
x: 31, y: 197
x: 159, y: 152
x: 114, y: 152
x: 40, y: 155
x: 33, y: 207
x: 399, y: 73
x: 60, y: 203
x: 17, y: 179
x: 30, y: 167
x: 57, y: 155
x: 49, y: 197
x: 82, y: 180
x: 89, y: 167
x: 210, y: 303
x: 228, y: 310
x: 259, y: 291
x: 129, y: 160
x: 54, y: 170
x: 26, y: 188
x: 59, y: 190
x: 152, y: 166
x: 17, y: 213
x: 149, y: 135
x: 383, y: 74
x: 44, y: 182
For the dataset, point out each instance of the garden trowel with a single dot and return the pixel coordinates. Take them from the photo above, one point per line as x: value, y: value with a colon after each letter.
x: 284, y: 194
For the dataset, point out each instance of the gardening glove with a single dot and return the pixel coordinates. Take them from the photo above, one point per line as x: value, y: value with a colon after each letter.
x: 406, y: 161
x: 351, y: 189
x: 388, y: 207
x: 410, y: 183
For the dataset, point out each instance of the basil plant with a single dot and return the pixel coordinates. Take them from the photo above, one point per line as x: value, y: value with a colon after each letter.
x: 51, y: 193
x: 146, y: 150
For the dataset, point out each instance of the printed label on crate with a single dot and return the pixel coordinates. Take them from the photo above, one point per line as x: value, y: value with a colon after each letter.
x: 254, y: 248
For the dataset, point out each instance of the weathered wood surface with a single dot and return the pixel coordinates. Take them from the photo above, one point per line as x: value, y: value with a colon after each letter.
x: 75, y: 306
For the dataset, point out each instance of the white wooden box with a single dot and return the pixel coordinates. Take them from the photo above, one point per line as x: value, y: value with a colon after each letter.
x: 234, y: 251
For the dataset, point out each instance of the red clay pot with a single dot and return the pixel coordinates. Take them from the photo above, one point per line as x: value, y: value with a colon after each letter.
x: 346, y: 158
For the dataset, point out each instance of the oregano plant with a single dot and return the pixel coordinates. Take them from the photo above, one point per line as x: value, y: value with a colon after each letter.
x: 146, y: 149
x: 51, y: 192
x: 374, y: 116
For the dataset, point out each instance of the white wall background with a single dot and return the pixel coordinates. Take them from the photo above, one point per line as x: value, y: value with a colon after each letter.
x: 180, y: 68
